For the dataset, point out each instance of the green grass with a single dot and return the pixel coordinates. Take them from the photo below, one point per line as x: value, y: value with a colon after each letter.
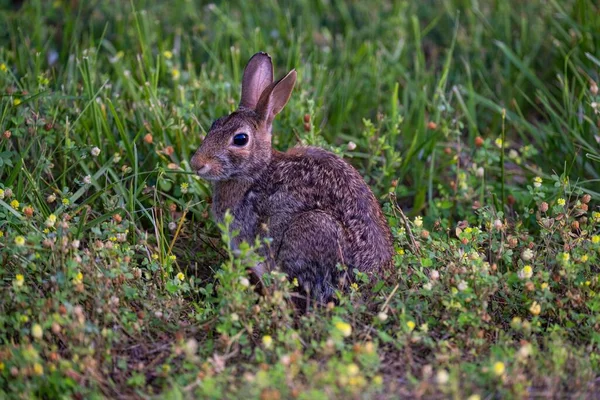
x: 114, y: 280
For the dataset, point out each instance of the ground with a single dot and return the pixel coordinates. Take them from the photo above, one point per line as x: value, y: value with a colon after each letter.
x: 475, y: 123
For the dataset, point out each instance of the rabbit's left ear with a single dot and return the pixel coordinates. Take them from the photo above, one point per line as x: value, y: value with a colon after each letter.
x: 275, y: 97
x: 258, y: 76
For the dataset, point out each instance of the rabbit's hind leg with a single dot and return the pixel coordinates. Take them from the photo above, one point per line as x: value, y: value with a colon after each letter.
x: 310, y: 251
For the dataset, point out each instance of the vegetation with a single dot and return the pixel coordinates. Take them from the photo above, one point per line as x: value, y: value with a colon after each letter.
x: 476, y: 123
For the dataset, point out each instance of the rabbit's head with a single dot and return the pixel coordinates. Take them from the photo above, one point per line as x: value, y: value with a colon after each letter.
x: 238, y: 146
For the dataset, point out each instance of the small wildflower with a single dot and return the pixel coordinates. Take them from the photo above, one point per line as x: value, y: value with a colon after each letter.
x: 527, y: 255
x: 474, y: 397
x: 3, y: 67
x: 19, y: 280
x: 564, y: 257
x: 78, y: 278
x: 175, y: 74
x: 584, y: 258
x: 148, y: 138
x: 36, y: 331
x: 15, y: 204
x: 526, y: 272
x: 66, y: 201
x: 480, y: 172
x: 354, y: 286
x: 154, y: 256
x: 428, y: 286
x: 1, y: 194
x: 87, y: 179
x: 1, y: 234
x: 16, y: 101
x: 172, y: 257
x: 596, y: 216
x: 344, y: 327
x: 400, y: 252
x: 28, y: 211
x: 498, y: 142
x: 353, y: 369
x: 167, y: 54
x: 442, y: 377
x: 184, y: 187
x: 410, y: 325
x: 535, y: 308
x: 172, y: 226
x: 544, y: 207
x: 351, y: 146
x: 116, y: 157
x: 561, y: 202
x: 434, y: 274
x: 418, y: 221
x: 498, y: 225
x: 38, y: 369
x: 462, y: 286
x: 50, y: 221
x: 244, y: 281
x: 51, y: 198
x: 267, y: 341
x: 595, y: 239
x: 382, y: 316
x: 95, y: 152
x: 295, y: 282
x: 20, y: 241
x: 537, y: 182
x: 499, y: 368
x: 544, y: 286
x: 180, y: 276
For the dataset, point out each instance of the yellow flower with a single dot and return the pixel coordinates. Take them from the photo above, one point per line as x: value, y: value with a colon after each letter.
x: 180, y: 276
x: 267, y: 341
x: 167, y: 54
x: 411, y: 325
x: 36, y: 331
x: 78, y: 278
x: 1, y: 234
x: 38, y: 369
x: 418, y: 221
x: 537, y: 181
x: 19, y: 280
x: 535, y: 308
x: 498, y: 142
x: 400, y: 252
x: 50, y: 221
x: 474, y: 397
x: 1, y: 194
x: 20, y: 241
x: 295, y: 282
x: 344, y: 327
x: 15, y: 204
x: 66, y: 201
x: 584, y: 258
x: 155, y: 256
x: 3, y: 67
x: 564, y: 257
x: 561, y: 202
x: 378, y: 380
x: 2, y: 366
x: 172, y: 257
x: 354, y: 286
x: 16, y: 102
x: 526, y: 272
x: 544, y: 286
x: 175, y: 74
x: 499, y: 368
x: 595, y: 239
x: 353, y: 369
x: 596, y: 216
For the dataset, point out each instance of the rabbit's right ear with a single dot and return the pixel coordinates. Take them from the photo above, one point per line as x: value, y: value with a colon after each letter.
x: 258, y: 75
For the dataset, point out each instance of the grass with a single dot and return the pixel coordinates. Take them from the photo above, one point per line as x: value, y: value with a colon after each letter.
x: 479, y: 120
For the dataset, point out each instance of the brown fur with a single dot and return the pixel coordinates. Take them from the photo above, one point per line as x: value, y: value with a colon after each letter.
x: 315, y: 206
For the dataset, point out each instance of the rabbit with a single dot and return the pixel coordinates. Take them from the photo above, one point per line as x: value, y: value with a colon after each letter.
x: 315, y: 207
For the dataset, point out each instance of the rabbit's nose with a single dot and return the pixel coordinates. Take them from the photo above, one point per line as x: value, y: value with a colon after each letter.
x: 202, y: 169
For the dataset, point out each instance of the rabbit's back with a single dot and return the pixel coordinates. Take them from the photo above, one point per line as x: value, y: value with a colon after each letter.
x: 309, y: 179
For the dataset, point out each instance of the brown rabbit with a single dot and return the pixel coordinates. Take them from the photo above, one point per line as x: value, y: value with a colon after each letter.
x: 316, y: 207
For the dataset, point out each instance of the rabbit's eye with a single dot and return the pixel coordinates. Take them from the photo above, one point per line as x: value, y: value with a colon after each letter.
x: 240, y: 139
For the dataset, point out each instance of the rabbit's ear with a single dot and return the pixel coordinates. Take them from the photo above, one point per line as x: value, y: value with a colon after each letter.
x: 258, y: 75
x: 276, y: 97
